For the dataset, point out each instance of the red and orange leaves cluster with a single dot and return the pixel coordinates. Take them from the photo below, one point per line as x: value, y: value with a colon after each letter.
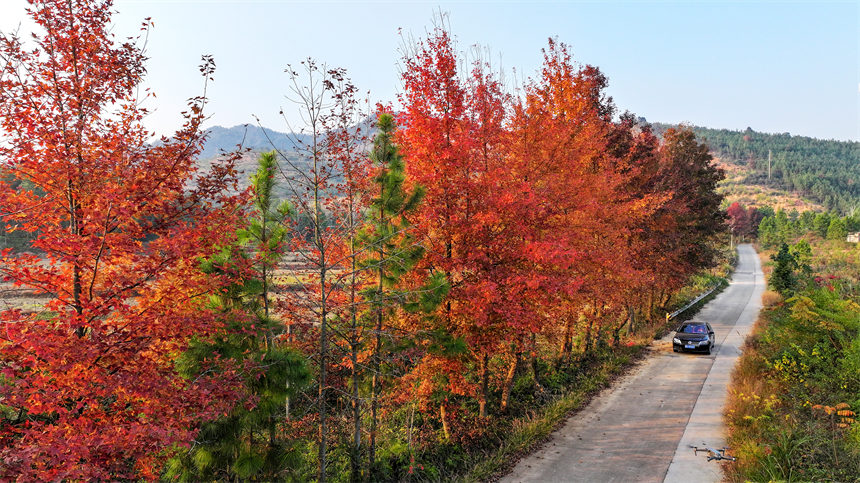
x: 742, y: 220
x: 539, y: 205
x: 88, y: 388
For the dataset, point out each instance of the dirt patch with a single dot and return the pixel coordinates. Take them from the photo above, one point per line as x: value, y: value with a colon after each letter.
x: 25, y: 299
x: 660, y: 346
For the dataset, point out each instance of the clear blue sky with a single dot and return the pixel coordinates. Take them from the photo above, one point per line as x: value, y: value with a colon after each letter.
x: 774, y: 66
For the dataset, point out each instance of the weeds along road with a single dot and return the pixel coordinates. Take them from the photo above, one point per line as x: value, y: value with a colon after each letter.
x: 640, y: 429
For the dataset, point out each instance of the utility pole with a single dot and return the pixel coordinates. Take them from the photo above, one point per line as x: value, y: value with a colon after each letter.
x: 768, y: 165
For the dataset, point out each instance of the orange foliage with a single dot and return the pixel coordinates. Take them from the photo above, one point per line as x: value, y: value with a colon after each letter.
x: 543, y: 206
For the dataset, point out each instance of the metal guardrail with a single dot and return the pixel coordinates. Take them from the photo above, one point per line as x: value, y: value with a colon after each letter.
x: 694, y: 302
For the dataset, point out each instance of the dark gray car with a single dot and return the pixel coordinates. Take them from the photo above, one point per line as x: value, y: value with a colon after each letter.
x: 693, y: 336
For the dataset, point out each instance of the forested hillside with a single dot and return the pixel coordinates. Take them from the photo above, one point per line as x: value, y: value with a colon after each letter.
x: 826, y: 171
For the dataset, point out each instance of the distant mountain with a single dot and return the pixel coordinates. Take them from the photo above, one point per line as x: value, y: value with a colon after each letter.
x: 222, y: 139
x: 824, y: 171
x: 255, y: 140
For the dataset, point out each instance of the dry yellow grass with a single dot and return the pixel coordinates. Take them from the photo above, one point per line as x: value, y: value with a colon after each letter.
x: 284, y: 277
x: 770, y: 298
x: 12, y: 297
x: 766, y: 262
x: 734, y: 189
x: 750, y: 402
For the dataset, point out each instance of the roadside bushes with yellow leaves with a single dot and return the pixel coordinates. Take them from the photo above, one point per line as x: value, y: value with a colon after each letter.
x: 795, y: 394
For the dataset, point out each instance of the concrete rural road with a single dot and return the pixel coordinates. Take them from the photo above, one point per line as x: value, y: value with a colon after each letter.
x: 641, y: 428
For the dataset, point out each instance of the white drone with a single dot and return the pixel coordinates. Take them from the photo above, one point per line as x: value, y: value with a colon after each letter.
x: 713, y: 453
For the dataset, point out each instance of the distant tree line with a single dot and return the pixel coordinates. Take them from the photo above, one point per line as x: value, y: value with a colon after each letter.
x: 776, y: 228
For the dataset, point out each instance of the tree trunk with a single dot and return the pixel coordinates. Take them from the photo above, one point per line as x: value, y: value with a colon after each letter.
x: 355, y: 459
x: 587, y: 341
x: 598, y: 317
x: 484, y: 376
x: 320, y: 245
x: 322, y: 386
x: 371, y: 451
x: 616, y: 333
x: 566, y: 346
x: 264, y: 238
x: 443, y: 415
x: 664, y: 298
x: 533, y: 362
x: 509, y: 380
x: 374, y: 390
x: 356, y: 415
x: 75, y: 229
x: 650, y: 304
x: 631, y: 312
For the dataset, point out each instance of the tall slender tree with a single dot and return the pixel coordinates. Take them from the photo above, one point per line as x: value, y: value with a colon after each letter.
x: 326, y: 195
x: 267, y: 230
x: 311, y: 87
x: 347, y: 138
x: 391, y: 250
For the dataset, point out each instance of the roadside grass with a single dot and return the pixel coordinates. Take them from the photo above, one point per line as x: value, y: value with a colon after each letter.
x: 770, y: 298
x: 500, y: 442
x: 749, y: 407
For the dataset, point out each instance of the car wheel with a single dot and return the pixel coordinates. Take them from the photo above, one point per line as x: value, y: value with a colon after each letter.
x: 674, y: 349
x: 709, y: 350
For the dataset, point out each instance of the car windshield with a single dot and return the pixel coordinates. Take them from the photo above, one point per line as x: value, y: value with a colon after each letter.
x: 693, y: 329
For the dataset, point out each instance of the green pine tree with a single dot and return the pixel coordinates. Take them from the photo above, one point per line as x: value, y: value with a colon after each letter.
x: 245, y: 444
x: 784, y: 226
x: 266, y: 230
x: 838, y: 229
x: 783, y: 278
x: 393, y: 251
x: 768, y: 234
x: 806, y: 221
x: 853, y: 222
x: 821, y: 223
x: 802, y: 253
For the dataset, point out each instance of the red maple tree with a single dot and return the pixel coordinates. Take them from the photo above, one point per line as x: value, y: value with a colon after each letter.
x: 88, y: 388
